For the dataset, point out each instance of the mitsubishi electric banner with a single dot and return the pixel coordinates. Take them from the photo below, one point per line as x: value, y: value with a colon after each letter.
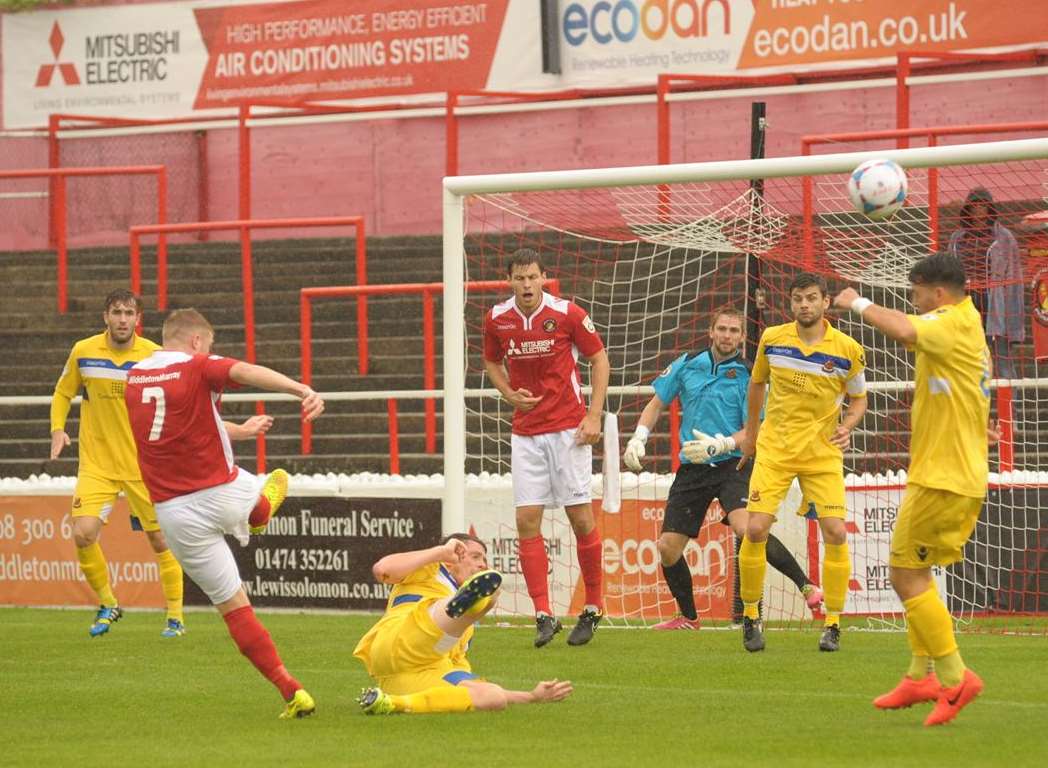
x: 175, y: 59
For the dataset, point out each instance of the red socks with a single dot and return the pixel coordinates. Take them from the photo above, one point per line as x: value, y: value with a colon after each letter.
x: 261, y: 513
x: 534, y: 562
x: 254, y: 642
x: 590, y: 550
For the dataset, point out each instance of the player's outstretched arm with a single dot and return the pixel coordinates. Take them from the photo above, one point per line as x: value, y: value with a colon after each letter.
x: 649, y: 417
x: 274, y: 381
x: 489, y: 696
x: 256, y: 425
x: 891, y: 322
x: 394, y: 568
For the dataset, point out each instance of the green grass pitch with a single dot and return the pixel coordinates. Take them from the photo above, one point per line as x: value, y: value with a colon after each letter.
x: 641, y: 698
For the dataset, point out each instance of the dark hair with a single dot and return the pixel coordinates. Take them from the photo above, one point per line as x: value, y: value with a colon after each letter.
x: 939, y: 269
x: 123, y: 296
x: 807, y: 280
x: 523, y: 257
x: 726, y: 309
x: 976, y: 196
x: 464, y: 537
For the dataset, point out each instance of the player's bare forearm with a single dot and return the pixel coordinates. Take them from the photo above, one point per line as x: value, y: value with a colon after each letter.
x: 266, y: 378
x: 892, y: 323
x: 396, y: 567
x: 256, y: 425
x: 649, y: 417
x: 854, y: 413
x: 600, y: 374
x: 497, y: 375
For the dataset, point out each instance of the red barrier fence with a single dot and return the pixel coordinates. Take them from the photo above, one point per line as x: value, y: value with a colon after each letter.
x: 244, y: 227
x: 60, y: 213
x: 429, y: 365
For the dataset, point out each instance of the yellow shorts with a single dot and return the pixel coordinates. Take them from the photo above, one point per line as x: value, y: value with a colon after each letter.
x: 413, y: 654
x: 769, y: 485
x: 94, y: 497
x: 932, y: 527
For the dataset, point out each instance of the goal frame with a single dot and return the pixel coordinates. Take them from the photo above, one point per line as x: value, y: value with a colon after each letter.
x: 457, y: 188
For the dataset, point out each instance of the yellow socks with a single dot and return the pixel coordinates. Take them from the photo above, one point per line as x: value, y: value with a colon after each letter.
x: 93, y: 564
x: 443, y: 698
x: 171, y: 582
x: 951, y: 669
x: 933, y: 626
x: 836, y: 571
x: 753, y: 562
x: 921, y: 664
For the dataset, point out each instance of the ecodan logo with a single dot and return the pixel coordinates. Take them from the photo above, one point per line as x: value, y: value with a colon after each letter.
x: 607, y: 21
x: 47, y: 71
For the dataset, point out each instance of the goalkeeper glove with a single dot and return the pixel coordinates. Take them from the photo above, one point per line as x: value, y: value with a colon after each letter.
x: 705, y: 447
x: 635, y: 449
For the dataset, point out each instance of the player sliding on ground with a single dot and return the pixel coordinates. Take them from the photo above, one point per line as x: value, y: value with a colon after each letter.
x: 711, y: 385
x: 947, y: 477
x: 417, y: 651
x: 811, y: 367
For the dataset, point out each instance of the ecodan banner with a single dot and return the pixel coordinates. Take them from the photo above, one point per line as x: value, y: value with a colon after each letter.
x: 176, y: 59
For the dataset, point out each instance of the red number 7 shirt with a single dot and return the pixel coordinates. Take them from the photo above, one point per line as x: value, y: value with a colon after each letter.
x: 172, y: 401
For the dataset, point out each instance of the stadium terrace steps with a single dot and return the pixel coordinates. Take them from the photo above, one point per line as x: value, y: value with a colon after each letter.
x: 353, y: 435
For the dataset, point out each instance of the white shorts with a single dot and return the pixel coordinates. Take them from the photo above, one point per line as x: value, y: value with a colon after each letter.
x: 195, y: 526
x: 551, y: 470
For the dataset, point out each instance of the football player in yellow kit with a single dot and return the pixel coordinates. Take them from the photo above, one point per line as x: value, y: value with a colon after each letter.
x: 416, y: 653
x: 812, y: 368
x: 108, y: 459
x: 947, y: 477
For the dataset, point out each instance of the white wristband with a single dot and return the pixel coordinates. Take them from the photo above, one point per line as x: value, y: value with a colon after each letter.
x: 860, y: 305
x: 641, y: 433
x: 730, y: 442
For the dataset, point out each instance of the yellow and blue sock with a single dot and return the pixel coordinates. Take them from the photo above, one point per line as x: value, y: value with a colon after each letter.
x: 753, y: 563
x: 93, y: 564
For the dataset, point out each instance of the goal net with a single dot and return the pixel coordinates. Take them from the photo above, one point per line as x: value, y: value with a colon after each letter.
x: 651, y: 252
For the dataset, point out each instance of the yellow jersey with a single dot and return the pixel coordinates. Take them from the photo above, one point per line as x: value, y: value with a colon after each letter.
x: 430, y: 582
x: 951, y: 406
x: 105, y: 443
x: 808, y: 386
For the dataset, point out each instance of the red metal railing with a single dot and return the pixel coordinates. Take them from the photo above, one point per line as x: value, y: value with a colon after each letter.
x: 429, y: 366
x: 244, y: 227
x: 904, y: 67
x: 60, y: 220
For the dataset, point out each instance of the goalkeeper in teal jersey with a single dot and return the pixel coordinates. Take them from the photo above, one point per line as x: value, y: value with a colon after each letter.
x: 711, y: 385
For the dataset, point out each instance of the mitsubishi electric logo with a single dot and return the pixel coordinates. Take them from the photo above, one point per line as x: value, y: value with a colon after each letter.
x: 47, y: 71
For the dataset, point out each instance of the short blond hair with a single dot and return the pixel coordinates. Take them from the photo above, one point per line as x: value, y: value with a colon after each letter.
x: 183, y: 323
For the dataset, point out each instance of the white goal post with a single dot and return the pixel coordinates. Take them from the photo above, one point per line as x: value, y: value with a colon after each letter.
x: 621, y: 239
x: 457, y: 189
